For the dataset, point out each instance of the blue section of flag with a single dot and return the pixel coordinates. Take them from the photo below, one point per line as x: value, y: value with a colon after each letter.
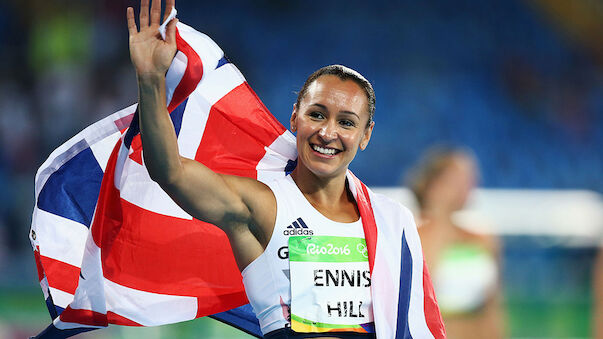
x: 222, y: 62
x: 134, y: 128
x: 242, y: 318
x: 291, y: 164
x: 402, y: 329
x: 132, y: 131
x: 51, y: 332
x: 72, y: 190
x: 176, y: 116
x: 369, y: 327
x: 54, y: 310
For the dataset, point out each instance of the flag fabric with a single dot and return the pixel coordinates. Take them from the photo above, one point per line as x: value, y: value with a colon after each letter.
x: 404, y: 302
x: 112, y: 248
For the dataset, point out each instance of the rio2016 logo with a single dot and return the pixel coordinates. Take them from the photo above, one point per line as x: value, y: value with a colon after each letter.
x: 328, y: 249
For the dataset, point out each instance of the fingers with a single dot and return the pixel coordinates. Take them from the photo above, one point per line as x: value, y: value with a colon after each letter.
x: 169, y: 4
x: 144, y: 13
x: 155, y: 12
x: 170, y: 32
x: 131, y: 22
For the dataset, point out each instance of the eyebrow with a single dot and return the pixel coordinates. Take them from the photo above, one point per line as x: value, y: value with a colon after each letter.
x: 345, y: 112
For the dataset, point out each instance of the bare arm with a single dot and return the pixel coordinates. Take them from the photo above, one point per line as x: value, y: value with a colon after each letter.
x: 225, y: 201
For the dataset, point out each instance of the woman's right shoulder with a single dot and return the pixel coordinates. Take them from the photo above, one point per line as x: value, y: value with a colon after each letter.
x: 260, y: 199
x: 251, y: 190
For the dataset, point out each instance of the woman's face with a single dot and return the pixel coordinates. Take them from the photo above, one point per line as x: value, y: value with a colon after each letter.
x: 454, y: 185
x: 331, y: 123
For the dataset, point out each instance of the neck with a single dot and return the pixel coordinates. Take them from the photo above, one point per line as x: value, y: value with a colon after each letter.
x: 436, y: 213
x: 321, y: 189
x: 328, y: 195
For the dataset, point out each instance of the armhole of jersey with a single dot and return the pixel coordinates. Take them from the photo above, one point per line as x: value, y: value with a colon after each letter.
x: 273, y: 185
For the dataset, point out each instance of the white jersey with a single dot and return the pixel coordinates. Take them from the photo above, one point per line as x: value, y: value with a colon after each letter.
x: 267, y: 278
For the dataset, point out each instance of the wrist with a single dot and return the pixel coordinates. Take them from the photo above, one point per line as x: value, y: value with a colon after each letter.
x: 150, y: 77
x: 150, y: 85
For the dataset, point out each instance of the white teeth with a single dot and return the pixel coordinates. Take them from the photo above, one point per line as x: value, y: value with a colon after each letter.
x: 322, y: 150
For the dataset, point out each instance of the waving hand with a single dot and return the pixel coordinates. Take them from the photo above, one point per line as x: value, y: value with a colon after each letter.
x: 151, y: 54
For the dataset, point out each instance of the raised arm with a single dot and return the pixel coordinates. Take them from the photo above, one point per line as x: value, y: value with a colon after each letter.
x: 229, y: 202
x: 151, y: 57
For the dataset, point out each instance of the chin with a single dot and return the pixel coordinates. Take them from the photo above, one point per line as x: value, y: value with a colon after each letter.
x: 322, y: 170
x: 326, y: 171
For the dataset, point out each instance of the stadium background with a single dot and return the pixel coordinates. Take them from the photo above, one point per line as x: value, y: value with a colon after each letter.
x: 519, y: 82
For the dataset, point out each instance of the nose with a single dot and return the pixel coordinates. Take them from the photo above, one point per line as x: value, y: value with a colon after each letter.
x: 328, y: 132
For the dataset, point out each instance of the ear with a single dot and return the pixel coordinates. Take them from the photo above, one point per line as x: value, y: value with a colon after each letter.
x: 368, y: 131
x: 293, y: 120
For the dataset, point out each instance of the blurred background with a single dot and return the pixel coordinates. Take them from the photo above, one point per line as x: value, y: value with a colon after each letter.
x: 520, y: 83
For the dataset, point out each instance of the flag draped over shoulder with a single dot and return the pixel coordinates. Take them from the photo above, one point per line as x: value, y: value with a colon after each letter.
x: 112, y: 248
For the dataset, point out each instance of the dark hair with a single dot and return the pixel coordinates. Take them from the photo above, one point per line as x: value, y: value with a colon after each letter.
x: 343, y: 73
x: 433, y: 162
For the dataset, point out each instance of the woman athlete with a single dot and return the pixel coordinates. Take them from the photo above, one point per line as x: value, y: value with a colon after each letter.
x: 465, y: 265
x: 333, y: 119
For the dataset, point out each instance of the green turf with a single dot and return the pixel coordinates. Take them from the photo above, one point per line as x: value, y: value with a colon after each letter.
x: 23, y: 312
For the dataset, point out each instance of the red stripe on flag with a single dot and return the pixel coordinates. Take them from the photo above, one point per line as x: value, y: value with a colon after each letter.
x: 114, y: 318
x: 60, y: 275
x: 84, y: 317
x: 237, y: 129
x: 123, y: 122
x: 212, y: 305
x: 39, y: 266
x: 368, y: 219
x: 433, y: 317
x: 192, y: 75
x: 136, y: 147
x: 92, y: 318
x: 108, y: 210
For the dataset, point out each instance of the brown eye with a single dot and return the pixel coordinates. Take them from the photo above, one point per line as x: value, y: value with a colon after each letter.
x: 347, y: 123
x: 316, y: 115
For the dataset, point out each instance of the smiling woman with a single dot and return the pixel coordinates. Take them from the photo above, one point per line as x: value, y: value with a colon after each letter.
x: 333, y: 119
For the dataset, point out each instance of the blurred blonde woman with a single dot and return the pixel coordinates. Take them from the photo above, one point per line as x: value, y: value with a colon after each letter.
x: 464, y: 265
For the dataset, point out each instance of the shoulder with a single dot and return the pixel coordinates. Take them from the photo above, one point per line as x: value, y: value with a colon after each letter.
x: 246, y: 186
x: 257, y: 195
x: 488, y: 242
x: 259, y: 199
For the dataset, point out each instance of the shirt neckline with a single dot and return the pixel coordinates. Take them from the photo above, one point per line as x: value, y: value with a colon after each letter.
x: 314, y: 210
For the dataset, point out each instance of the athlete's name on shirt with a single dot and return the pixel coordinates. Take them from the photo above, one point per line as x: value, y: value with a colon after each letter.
x: 345, y: 309
x: 342, y: 278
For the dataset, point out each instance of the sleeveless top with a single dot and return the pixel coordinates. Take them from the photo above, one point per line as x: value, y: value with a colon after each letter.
x: 464, y: 279
x: 267, y: 278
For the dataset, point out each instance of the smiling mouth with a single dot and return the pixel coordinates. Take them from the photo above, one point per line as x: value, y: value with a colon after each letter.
x: 325, y: 150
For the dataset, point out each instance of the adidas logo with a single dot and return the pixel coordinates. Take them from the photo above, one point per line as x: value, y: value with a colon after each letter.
x: 298, y: 227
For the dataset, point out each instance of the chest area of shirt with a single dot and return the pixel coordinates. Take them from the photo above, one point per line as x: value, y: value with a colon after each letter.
x: 300, y: 225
